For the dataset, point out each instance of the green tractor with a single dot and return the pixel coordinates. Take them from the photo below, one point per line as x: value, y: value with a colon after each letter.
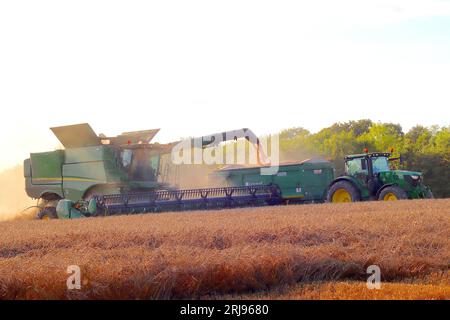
x: 368, y: 177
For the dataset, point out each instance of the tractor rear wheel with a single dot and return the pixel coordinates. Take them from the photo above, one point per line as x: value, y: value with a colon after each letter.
x: 343, y: 191
x: 47, y: 213
x: 392, y: 193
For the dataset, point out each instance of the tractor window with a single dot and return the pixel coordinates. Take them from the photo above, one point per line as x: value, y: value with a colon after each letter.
x: 380, y: 164
x: 356, y: 166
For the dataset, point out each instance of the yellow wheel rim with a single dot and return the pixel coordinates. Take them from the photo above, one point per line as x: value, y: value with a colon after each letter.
x: 341, y: 195
x: 390, y: 197
x: 45, y: 217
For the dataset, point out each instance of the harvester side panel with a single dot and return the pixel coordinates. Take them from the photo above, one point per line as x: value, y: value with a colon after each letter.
x: 46, y: 167
x: 43, y: 174
x: 79, y: 177
x: 89, y: 167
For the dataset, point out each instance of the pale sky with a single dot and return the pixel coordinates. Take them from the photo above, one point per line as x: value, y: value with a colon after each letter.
x: 193, y: 68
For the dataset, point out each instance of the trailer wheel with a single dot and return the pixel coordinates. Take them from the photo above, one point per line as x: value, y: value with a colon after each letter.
x: 392, y: 193
x: 343, y: 191
x: 47, y: 213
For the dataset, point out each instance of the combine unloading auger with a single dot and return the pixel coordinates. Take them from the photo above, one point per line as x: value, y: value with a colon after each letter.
x: 215, y: 139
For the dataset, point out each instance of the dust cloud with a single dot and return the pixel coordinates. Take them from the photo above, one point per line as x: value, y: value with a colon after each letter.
x: 186, y: 176
x: 13, y: 199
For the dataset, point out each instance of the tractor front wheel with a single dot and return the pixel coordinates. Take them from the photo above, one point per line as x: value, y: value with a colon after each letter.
x: 392, y: 193
x: 47, y: 213
x: 343, y: 191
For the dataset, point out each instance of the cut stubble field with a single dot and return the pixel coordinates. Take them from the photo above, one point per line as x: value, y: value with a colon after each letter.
x: 317, y: 251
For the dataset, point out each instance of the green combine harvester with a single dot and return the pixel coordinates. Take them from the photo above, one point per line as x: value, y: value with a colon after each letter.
x: 97, y: 175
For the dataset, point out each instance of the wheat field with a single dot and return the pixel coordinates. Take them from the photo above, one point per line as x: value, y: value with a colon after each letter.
x: 316, y: 251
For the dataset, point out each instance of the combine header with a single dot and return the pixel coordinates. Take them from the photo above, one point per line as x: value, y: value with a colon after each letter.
x: 126, y: 174
x: 189, y: 199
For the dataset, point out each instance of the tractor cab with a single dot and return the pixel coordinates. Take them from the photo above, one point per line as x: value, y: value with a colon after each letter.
x: 367, y: 164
